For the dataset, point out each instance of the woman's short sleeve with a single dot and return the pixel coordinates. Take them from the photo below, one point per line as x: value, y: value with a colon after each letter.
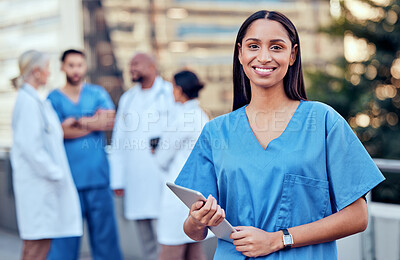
x: 351, y: 170
x: 198, y: 172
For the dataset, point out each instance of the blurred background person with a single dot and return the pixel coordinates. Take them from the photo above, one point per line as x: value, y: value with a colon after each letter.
x: 172, y: 153
x: 46, y: 199
x: 141, y: 118
x: 86, y: 111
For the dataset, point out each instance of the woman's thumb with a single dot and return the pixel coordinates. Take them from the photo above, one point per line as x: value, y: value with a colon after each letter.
x: 199, y: 204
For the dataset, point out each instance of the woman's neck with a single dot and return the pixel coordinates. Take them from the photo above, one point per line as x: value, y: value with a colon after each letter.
x: 268, y: 99
x: 33, y: 82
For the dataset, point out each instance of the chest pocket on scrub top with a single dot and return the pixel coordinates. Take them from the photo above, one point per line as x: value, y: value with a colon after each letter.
x: 303, y: 200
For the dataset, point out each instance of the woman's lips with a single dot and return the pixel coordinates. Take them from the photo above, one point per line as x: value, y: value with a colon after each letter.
x: 263, y: 71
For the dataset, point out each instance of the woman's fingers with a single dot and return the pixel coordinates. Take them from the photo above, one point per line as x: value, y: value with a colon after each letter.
x: 217, y: 217
x: 241, y: 248
x: 197, y: 205
x: 240, y: 234
x: 210, y: 208
x: 209, y: 204
x: 221, y: 218
x: 240, y: 242
x: 208, y: 213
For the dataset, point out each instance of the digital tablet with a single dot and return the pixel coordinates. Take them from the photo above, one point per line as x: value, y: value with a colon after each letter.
x: 188, y: 197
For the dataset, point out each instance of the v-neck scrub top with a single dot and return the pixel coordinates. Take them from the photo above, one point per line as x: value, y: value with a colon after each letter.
x: 86, y: 155
x: 316, y: 167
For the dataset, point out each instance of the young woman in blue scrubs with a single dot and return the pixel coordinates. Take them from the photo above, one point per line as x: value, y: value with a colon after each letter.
x: 288, y: 173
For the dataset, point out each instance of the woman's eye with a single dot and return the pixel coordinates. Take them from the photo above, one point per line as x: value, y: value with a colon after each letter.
x: 253, y: 46
x: 276, y: 47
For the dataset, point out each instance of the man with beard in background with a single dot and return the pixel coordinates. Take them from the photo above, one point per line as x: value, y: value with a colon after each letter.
x: 141, y: 119
x: 86, y: 111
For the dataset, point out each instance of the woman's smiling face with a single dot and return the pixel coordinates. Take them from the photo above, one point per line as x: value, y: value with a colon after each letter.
x: 265, y: 53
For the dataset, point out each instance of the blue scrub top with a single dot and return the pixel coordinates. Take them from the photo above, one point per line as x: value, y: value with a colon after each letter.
x: 86, y: 155
x: 316, y: 167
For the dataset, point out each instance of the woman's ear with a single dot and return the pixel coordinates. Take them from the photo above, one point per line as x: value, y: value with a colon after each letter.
x: 179, y: 89
x: 36, y: 72
x: 293, y: 54
x: 239, y: 46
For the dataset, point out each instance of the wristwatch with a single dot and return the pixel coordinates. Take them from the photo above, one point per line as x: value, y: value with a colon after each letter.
x: 287, y: 238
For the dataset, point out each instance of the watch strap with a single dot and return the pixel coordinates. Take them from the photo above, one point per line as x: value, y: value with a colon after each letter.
x: 286, y: 234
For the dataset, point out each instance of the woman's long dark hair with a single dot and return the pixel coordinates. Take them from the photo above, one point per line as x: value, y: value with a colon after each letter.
x: 293, y: 81
x: 189, y: 83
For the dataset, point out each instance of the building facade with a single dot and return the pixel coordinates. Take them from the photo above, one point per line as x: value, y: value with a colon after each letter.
x: 46, y: 25
x: 192, y: 34
x: 200, y: 35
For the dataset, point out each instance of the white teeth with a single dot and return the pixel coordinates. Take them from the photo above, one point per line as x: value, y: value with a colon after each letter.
x: 264, y: 70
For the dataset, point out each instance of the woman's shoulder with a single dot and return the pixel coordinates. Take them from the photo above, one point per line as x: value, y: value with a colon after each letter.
x: 322, y: 108
x: 24, y: 98
x: 25, y: 104
x: 323, y: 112
x: 317, y: 105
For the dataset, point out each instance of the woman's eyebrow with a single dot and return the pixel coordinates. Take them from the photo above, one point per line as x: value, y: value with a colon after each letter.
x: 253, y: 39
x: 277, y: 40
x: 258, y: 40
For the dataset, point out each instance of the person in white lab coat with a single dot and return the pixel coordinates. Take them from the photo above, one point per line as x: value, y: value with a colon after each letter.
x: 172, y: 153
x: 141, y: 118
x: 46, y: 199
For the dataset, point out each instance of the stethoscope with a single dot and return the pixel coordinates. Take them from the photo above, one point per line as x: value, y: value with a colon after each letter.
x: 47, y: 127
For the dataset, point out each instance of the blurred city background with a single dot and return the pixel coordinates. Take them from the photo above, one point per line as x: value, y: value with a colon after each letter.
x: 351, y: 57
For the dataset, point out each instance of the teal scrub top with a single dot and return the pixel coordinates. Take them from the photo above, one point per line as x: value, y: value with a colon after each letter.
x: 86, y: 155
x: 316, y: 167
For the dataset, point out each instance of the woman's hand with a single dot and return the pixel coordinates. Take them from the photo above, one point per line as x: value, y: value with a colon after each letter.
x: 254, y: 242
x: 203, y: 214
x: 207, y: 213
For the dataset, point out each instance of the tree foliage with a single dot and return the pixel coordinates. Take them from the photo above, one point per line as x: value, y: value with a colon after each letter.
x: 365, y: 87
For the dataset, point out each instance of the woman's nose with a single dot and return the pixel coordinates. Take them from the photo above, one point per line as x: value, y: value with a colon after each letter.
x: 264, y: 56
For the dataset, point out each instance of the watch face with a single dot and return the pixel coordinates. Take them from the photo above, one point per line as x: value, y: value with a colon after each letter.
x: 287, y: 240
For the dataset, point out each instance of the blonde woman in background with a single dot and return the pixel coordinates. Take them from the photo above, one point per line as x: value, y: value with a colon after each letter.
x: 46, y: 199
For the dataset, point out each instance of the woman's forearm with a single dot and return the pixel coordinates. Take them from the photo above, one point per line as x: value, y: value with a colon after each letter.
x: 348, y: 221
x: 254, y: 242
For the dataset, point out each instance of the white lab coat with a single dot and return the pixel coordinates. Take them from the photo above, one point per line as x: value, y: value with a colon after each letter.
x: 175, y: 147
x: 141, y: 116
x: 46, y: 199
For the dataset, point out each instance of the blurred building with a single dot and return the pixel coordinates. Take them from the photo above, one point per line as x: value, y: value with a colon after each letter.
x: 200, y: 35
x: 45, y: 25
x: 194, y: 34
